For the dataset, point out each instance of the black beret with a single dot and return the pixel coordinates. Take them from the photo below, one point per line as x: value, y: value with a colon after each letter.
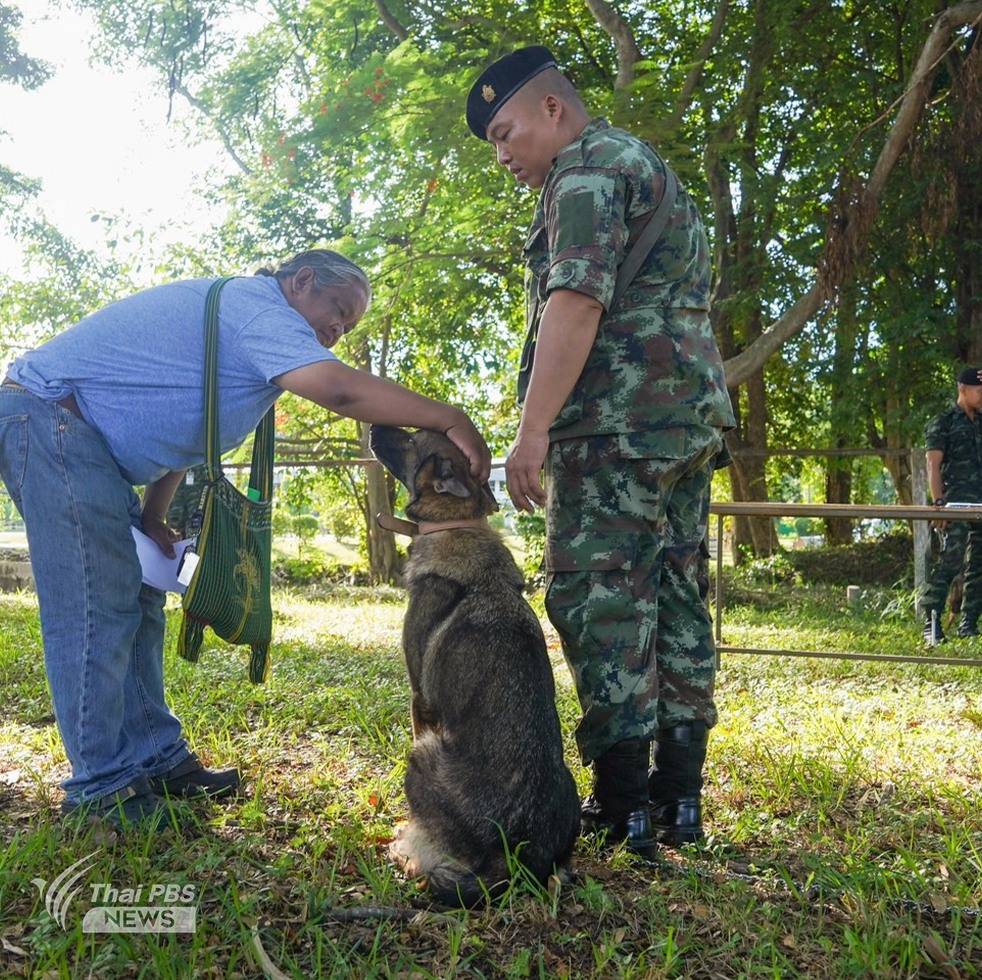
x: 500, y: 81
x: 970, y: 376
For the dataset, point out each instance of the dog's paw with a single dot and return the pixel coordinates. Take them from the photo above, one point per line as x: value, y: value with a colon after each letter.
x: 400, y: 852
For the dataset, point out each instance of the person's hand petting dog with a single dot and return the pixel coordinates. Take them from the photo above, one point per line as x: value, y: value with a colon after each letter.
x: 465, y: 436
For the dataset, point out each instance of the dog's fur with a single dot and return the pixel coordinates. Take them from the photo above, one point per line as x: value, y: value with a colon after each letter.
x: 486, y: 770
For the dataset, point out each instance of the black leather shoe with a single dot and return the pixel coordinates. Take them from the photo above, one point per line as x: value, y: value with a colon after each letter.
x: 675, y: 783
x: 191, y: 780
x: 133, y: 806
x: 618, y: 806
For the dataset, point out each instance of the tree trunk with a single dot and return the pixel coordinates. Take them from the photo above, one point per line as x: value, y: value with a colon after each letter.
x: 628, y: 52
x: 898, y: 466
x: 741, y: 277
x: 967, y: 241
x: 838, y: 472
x: 838, y: 490
x: 755, y: 535
x: 383, y: 560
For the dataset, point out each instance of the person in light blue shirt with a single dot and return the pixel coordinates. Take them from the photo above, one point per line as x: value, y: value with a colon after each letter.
x: 117, y: 401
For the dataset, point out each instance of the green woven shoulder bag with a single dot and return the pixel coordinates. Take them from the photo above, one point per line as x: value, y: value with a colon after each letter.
x: 229, y: 590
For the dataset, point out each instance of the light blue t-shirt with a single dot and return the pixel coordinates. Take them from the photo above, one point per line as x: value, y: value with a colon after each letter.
x: 135, y: 369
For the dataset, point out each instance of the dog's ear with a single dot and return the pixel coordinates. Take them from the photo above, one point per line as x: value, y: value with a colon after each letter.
x: 389, y: 437
x: 447, y: 481
x: 394, y: 448
x: 489, y: 497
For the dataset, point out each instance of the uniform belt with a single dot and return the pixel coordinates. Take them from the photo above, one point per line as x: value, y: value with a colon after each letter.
x: 68, y: 402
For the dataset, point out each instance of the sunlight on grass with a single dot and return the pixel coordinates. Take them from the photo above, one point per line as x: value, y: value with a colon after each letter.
x: 843, y: 806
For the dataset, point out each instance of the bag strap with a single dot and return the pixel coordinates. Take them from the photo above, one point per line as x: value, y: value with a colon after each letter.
x: 650, y: 234
x: 213, y: 444
x: 263, y: 446
x: 261, y: 474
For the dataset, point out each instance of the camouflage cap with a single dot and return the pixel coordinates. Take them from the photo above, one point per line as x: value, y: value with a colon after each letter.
x: 500, y: 81
x: 970, y: 376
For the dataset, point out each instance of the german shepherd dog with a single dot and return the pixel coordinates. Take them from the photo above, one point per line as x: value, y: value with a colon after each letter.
x: 486, y: 773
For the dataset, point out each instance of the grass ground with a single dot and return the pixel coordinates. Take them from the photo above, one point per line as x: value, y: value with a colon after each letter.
x: 287, y: 546
x: 843, y: 803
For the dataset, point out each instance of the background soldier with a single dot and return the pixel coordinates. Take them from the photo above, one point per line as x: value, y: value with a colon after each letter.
x: 954, y: 472
x: 627, y: 421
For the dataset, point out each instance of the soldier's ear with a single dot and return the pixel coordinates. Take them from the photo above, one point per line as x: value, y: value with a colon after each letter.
x: 447, y: 481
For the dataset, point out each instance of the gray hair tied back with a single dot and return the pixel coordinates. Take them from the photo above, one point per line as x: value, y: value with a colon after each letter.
x: 330, y: 269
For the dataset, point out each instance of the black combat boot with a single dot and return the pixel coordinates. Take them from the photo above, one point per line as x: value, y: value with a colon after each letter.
x: 968, y: 626
x: 675, y: 783
x: 933, y: 633
x: 618, y: 805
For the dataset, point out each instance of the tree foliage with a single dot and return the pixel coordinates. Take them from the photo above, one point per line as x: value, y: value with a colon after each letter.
x: 345, y: 122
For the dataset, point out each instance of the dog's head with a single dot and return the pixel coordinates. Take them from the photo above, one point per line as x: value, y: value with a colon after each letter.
x: 434, y: 471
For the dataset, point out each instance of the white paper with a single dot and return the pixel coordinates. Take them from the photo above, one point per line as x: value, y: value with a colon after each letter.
x: 159, y: 570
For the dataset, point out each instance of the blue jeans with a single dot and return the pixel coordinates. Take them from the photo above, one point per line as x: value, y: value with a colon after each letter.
x: 103, y: 629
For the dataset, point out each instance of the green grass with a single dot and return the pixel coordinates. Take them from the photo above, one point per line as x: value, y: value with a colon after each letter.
x: 288, y: 546
x: 843, y: 802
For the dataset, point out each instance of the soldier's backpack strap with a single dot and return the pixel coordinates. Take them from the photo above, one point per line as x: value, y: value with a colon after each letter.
x: 650, y: 234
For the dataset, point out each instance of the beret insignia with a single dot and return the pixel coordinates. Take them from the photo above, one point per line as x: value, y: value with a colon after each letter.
x: 488, y: 93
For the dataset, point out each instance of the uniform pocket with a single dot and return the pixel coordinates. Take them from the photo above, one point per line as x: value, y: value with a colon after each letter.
x: 586, y: 528
x: 13, y: 454
x: 533, y: 246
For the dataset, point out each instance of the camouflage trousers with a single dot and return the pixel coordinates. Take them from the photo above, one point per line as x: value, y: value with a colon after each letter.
x: 627, y: 578
x: 959, y: 537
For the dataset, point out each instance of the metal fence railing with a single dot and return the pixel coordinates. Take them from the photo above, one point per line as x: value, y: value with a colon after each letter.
x: 856, y: 511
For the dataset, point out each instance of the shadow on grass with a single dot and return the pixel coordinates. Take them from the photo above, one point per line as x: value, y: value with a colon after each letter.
x: 837, y: 796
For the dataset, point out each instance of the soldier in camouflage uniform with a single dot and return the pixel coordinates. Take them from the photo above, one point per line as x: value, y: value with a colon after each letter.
x: 625, y: 405
x: 954, y: 462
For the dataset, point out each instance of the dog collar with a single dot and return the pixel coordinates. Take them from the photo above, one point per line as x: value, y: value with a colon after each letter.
x: 412, y: 529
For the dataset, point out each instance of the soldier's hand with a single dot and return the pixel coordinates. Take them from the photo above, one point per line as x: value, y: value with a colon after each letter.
x: 523, y: 469
x: 157, y: 529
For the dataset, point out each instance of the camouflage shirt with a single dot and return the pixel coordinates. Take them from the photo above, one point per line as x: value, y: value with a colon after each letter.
x: 960, y: 439
x: 655, y: 364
